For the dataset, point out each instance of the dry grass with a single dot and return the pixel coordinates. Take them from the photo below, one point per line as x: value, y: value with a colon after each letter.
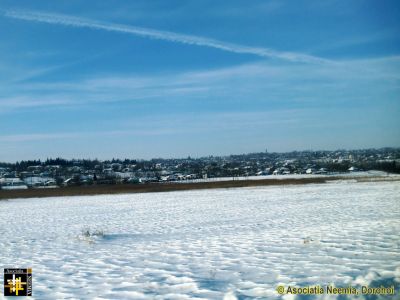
x: 160, y: 187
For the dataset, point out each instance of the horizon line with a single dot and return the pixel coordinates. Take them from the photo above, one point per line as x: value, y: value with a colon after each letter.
x: 204, y: 156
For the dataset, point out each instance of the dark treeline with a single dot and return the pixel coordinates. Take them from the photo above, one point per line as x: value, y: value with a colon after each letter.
x: 87, y: 163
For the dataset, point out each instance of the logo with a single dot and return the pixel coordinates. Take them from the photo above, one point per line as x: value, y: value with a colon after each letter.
x: 17, y: 282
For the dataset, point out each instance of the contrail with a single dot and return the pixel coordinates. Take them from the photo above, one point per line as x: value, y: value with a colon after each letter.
x: 160, y: 35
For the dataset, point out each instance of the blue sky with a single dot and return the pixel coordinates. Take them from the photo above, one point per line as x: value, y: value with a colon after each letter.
x: 143, y: 79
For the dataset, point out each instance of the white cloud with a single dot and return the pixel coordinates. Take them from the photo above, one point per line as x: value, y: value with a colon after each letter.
x: 171, y: 124
x: 261, y: 81
x: 40, y: 136
x: 66, y: 20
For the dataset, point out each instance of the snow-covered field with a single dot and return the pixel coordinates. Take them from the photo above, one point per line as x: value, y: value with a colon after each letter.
x: 208, y: 244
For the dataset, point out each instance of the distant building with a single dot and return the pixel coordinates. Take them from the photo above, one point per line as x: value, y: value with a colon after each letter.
x: 12, y: 184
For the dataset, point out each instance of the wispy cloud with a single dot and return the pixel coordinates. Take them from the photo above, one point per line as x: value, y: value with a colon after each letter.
x: 264, y: 82
x: 12, y: 138
x: 66, y: 20
x: 171, y: 125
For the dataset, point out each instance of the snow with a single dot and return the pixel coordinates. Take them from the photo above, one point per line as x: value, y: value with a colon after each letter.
x: 236, y: 243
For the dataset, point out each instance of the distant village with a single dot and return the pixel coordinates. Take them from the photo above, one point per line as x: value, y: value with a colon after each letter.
x: 54, y: 173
